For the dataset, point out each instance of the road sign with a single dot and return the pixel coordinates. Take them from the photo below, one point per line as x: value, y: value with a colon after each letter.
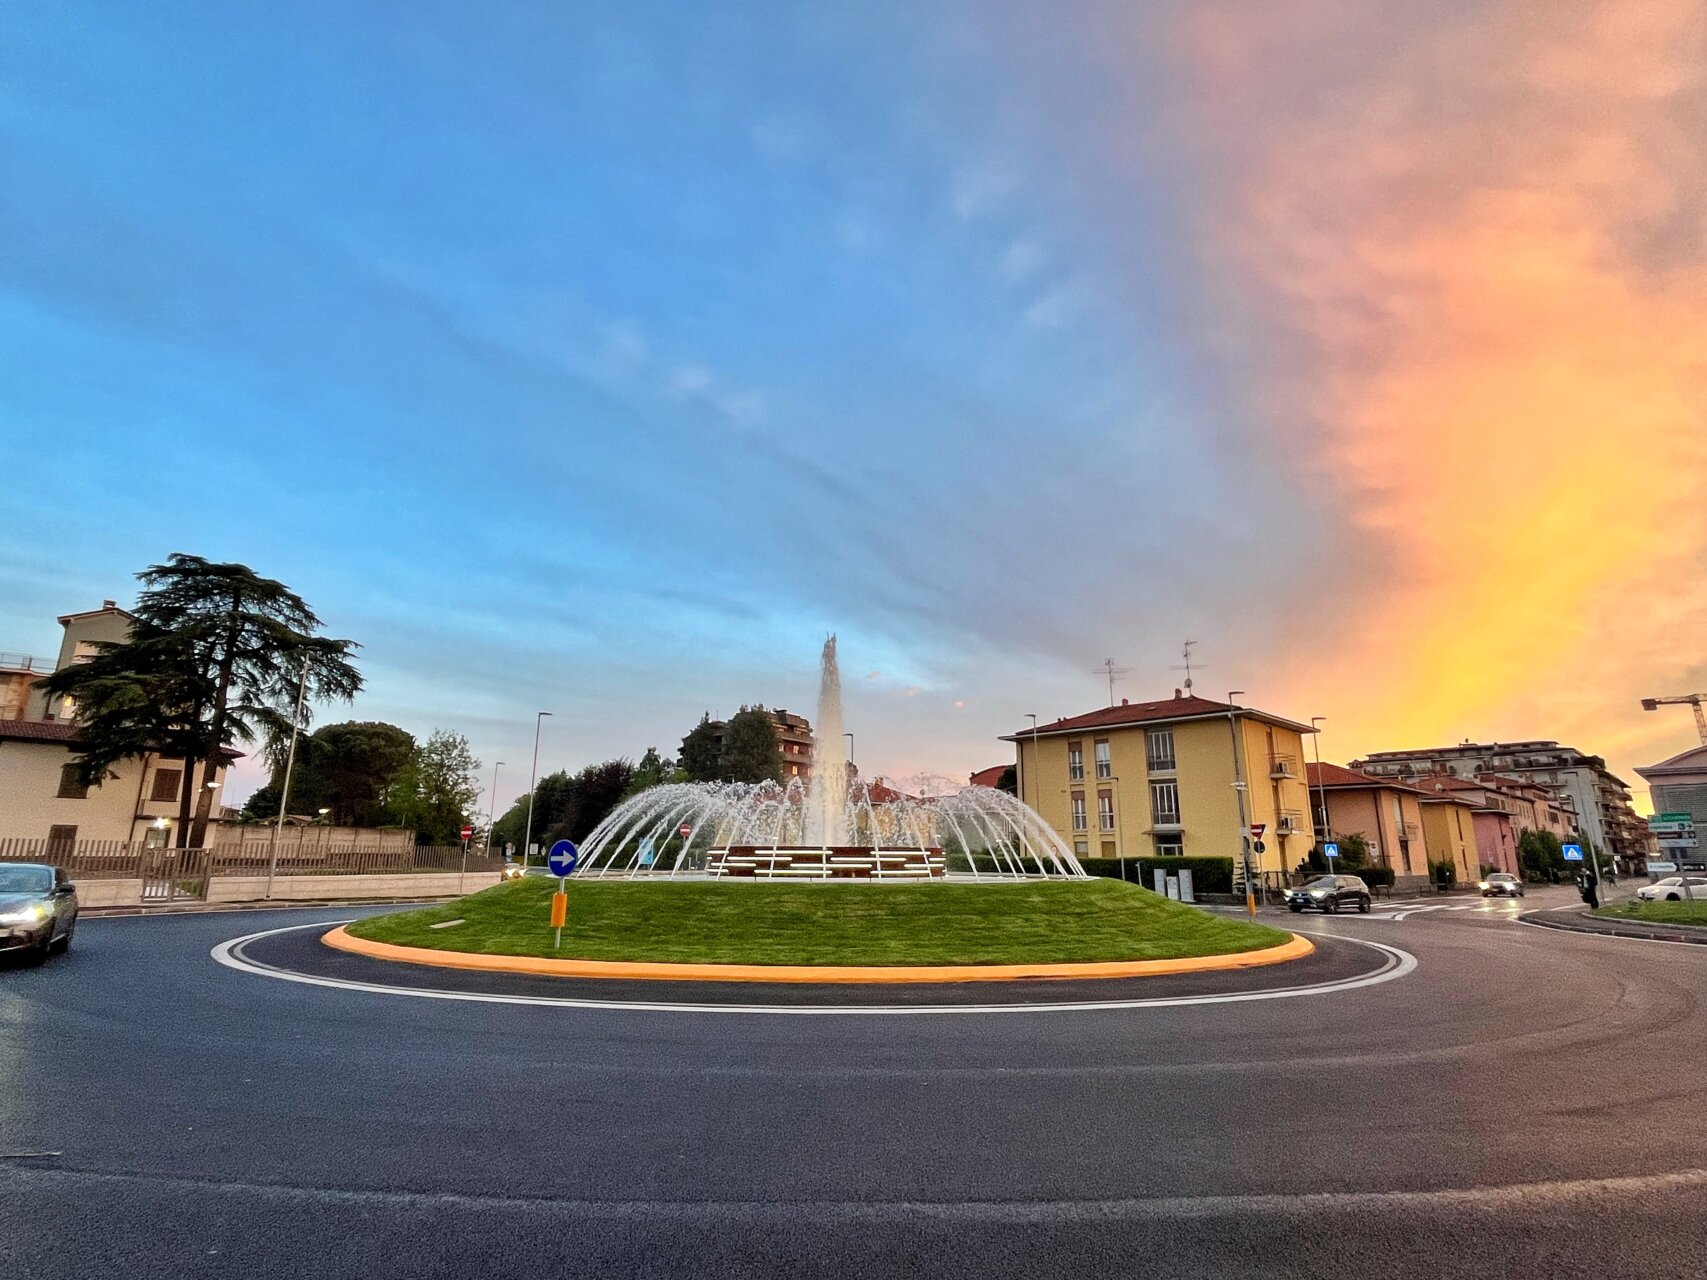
x: 1257, y: 828
x: 1259, y: 847
x: 1658, y: 868
x: 685, y: 830
x: 1331, y: 849
x: 562, y: 858
x: 1670, y: 825
x: 467, y: 832
x: 1671, y: 817
x: 1573, y: 853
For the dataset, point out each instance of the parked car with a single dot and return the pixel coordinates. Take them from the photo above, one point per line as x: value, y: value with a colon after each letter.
x: 1671, y: 889
x: 1502, y: 884
x: 1329, y: 893
x: 38, y: 909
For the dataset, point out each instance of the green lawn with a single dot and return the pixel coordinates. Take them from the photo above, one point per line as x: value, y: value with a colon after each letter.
x: 847, y: 924
x: 1661, y: 912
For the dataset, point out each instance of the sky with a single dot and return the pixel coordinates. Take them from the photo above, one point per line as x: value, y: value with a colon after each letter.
x: 603, y: 359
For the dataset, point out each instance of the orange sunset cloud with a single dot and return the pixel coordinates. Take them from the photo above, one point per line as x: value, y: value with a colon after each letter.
x: 1480, y: 249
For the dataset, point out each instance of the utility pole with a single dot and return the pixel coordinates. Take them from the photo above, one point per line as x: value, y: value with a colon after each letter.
x: 533, y: 782
x: 1327, y: 832
x: 284, y: 790
x: 492, y: 806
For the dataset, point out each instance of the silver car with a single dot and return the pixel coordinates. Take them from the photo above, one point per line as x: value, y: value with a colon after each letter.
x: 38, y: 910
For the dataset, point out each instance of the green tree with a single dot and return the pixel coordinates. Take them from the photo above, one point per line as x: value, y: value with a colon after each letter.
x: 652, y: 770
x: 1009, y: 781
x: 701, y: 754
x: 1540, y: 855
x: 213, y: 658
x: 751, y: 749
x: 593, y: 793
x: 436, y: 791
x: 349, y: 768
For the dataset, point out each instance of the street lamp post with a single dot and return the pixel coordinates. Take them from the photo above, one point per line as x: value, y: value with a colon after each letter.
x: 492, y: 806
x: 284, y: 791
x: 533, y: 779
x: 1327, y: 832
x: 1239, y: 787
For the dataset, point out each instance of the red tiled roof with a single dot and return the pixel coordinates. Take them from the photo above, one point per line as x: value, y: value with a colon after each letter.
x: 989, y: 777
x: 1126, y: 713
x: 1333, y: 775
x: 36, y: 730
x: 61, y: 731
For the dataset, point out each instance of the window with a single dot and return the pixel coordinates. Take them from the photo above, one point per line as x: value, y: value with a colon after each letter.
x: 1159, y: 750
x: 1105, y: 810
x: 61, y: 841
x: 1081, y: 847
x: 71, y: 786
x: 166, y: 784
x: 1164, y: 803
x: 1076, y: 760
x: 1168, y: 846
x: 1105, y: 765
x: 1078, y: 811
x: 1108, y: 849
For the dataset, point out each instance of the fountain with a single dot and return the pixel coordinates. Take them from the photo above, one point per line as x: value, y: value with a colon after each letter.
x: 828, y: 829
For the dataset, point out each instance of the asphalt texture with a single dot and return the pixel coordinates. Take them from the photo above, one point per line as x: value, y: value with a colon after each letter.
x: 1527, y: 1100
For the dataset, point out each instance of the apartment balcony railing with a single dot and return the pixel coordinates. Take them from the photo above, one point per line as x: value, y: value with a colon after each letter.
x: 1282, y: 766
x: 25, y: 662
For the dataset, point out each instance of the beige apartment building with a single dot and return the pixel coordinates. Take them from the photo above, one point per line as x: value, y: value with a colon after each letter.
x: 1158, y: 778
x: 1386, y: 813
x: 42, y: 803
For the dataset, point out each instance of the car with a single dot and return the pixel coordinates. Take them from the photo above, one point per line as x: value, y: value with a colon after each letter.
x: 1329, y: 893
x: 38, y: 910
x: 1502, y: 884
x: 1672, y: 889
x: 516, y: 870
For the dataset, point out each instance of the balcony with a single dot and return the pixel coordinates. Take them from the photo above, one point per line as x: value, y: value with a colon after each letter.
x: 25, y: 662
x: 1289, y: 822
x: 1282, y: 766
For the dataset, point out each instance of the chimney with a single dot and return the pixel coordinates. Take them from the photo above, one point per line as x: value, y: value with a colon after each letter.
x: 1123, y: 702
x: 1178, y: 694
x: 109, y: 604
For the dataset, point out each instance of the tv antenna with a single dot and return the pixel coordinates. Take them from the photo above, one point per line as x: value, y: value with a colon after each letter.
x: 1113, y: 673
x: 1185, y: 652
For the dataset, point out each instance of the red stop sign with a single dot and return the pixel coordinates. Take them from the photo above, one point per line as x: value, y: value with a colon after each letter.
x: 466, y: 832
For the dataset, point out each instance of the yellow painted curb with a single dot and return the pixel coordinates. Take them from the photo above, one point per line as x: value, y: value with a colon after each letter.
x: 542, y: 966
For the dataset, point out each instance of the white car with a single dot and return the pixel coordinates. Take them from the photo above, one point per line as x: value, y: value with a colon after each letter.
x: 1671, y: 889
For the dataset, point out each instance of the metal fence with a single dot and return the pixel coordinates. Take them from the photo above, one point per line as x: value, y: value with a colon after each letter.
x: 125, y: 860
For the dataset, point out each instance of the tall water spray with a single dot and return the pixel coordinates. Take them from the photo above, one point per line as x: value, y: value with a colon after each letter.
x: 827, y: 802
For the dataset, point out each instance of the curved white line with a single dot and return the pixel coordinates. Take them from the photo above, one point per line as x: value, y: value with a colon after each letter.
x: 230, y: 954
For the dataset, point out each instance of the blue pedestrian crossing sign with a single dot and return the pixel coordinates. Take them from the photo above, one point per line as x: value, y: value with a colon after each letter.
x: 1331, y: 849
x: 1573, y: 853
x: 562, y: 858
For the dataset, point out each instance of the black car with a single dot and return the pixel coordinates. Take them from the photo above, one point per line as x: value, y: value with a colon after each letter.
x: 1330, y: 893
x: 38, y: 909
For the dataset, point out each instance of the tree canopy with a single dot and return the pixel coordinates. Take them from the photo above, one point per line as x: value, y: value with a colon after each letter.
x: 702, y: 750
x: 436, y: 791
x: 349, y: 768
x: 751, y: 749
x: 213, y: 659
x: 568, y: 806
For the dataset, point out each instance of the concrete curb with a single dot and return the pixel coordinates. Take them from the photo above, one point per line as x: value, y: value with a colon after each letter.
x: 274, y: 904
x: 1637, y: 930
x: 539, y: 966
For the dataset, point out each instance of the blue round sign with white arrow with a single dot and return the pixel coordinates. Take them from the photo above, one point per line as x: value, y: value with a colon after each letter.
x: 562, y: 858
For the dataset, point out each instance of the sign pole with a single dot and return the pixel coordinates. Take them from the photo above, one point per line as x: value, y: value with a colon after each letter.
x: 561, y: 859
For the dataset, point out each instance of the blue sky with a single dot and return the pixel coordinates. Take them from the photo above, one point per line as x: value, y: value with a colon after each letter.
x: 602, y: 360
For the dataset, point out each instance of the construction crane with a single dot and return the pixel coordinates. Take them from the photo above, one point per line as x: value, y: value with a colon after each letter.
x: 1693, y: 699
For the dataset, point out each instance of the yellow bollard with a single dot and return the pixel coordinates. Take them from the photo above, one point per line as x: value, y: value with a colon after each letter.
x: 559, y: 909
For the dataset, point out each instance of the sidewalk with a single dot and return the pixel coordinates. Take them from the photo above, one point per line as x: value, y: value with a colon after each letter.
x: 195, y: 906
x: 1577, y: 918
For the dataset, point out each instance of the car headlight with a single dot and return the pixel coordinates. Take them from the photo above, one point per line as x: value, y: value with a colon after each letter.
x: 26, y: 915
x: 1482, y: 885
x: 1318, y: 893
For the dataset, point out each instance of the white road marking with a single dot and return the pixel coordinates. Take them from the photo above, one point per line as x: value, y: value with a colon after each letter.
x: 230, y: 954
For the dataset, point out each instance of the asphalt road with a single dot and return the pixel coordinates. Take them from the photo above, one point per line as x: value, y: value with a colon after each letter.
x: 1524, y: 1101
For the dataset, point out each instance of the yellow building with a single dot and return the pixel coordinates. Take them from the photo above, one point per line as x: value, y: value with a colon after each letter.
x: 1158, y: 778
x: 1449, y: 834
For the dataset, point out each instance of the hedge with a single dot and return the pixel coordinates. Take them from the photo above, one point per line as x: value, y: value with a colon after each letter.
x: 1208, y: 875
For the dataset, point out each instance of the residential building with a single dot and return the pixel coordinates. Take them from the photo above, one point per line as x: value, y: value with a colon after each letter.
x: 793, y: 738
x: 41, y: 799
x: 1600, y: 798
x: 1449, y: 833
x: 1679, y: 785
x: 1387, y: 813
x: 1148, y: 778
x: 991, y: 777
x: 1494, y: 817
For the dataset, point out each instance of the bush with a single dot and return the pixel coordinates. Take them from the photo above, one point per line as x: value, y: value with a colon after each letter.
x: 1208, y: 875
x: 1375, y: 877
x: 1443, y: 873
